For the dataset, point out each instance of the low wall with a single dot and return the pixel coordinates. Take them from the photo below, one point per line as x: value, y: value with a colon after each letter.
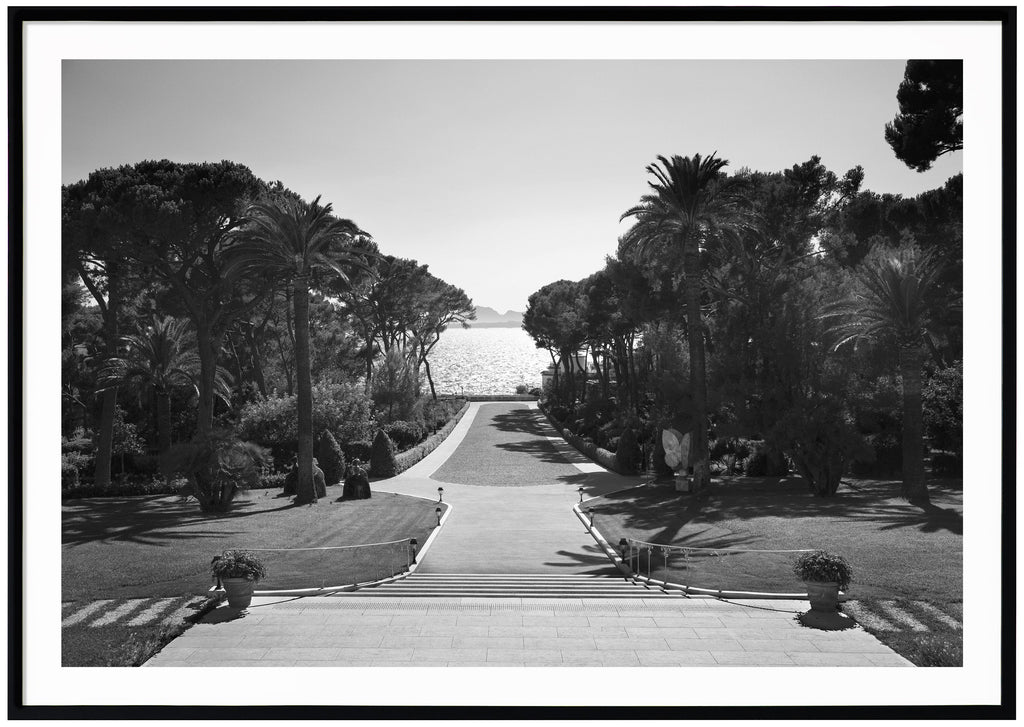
x: 602, y: 456
x: 405, y: 460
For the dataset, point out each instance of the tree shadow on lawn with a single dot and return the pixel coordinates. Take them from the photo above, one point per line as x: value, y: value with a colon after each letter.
x: 661, y: 509
x: 147, y: 520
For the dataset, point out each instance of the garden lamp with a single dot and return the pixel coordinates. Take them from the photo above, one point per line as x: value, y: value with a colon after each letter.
x: 580, y: 490
x: 438, y: 511
x: 623, y: 547
x: 440, y: 494
x: 412, y: 544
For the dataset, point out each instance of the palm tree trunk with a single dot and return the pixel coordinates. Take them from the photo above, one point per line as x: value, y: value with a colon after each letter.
x: 914, y: 485
x: 695, y: 334
x: 305, y: 492
x: 105, y: 435
x: 207, y: 348
x: 163, y: 420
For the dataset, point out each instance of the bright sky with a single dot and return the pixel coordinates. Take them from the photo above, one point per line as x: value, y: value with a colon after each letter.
x: 502, y: 176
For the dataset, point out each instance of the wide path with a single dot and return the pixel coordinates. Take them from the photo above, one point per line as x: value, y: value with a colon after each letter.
x: 511, y: 482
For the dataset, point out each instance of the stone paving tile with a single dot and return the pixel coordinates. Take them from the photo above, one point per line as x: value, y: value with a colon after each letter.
x: 833, y: 659
x: 587, y: 657
x: 556, y: 621
x: 173, y: 652
x: 329, y: 664
x: 545, y: 632
x: 475, y: 664
x: 676, y: 658
x: 446, y: 655
x: 488, y: 642
x: 360, y: 640
x: 787, y: 645
x: 421, y: 620
x: 531, y: 656
x: 576, y: 631
x: 307, y: 616
x: 417, y: 642
x: 348, y: 655
x: 497, y: 620
x: 688, y: 622
x: 869, y: 645
x: 303, y: 653
x: 254, y: 663
x: 631, y: 644
x: 231, y: 654
x: 752, y: 658
x: 655, y: 632
x: 888, y: 660
x: 616, y: 621
x: 704, y: 632
x: 562, y: 644
x: 704, y: 645
x: 452, y: 630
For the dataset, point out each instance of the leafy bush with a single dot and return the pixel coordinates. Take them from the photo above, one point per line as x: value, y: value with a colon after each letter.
x: 756, y: 463
x: 239, y: 564
x: 523, y: 389
x: 433, y: 415
x: 359, y: 449
x: 943, y: 402
x: 823, y: 567
x: 382, y: 456
x: 217, y: 466
x: 947, y: 464
x: 342, y: 409
x: 884, y: 458
x: 330, y: 458
x: 76, y: 457
x: 271, y: 480
x: 404, y: 434
x: 628, y: 455
x: 127, y: 487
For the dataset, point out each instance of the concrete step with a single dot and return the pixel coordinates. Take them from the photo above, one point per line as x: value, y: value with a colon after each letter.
x: 499, y: 585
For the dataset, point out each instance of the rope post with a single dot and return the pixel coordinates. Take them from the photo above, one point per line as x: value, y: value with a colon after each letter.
x: 664, y: 572
x: 412, y: 549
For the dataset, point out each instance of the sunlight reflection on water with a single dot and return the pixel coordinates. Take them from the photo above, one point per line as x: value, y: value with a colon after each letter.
x: 486, y: 361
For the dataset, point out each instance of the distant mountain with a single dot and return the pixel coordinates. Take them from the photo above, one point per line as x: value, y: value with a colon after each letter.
x: 490, y: 318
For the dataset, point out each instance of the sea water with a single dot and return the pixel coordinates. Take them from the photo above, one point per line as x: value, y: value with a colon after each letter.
x: 486, y: 361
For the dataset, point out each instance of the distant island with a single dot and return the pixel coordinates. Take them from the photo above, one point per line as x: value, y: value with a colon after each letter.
x: 490, y: 318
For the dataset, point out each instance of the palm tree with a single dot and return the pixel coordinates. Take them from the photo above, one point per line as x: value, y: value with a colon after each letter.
x: 692, y: 201
x: 288, y: 239
x: 896, y: 301
x: 162, y: 357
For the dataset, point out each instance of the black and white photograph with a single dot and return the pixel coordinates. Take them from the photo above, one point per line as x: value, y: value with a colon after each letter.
x: 454, y: 347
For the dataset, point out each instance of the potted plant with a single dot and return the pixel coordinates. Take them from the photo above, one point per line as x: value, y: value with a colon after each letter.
x: 824, y: 574
x: 238, y: 571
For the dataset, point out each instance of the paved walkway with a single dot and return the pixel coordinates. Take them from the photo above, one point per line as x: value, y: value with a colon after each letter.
x: 512, y: 482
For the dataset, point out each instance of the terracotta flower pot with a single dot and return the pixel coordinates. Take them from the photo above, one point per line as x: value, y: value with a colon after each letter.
x: 824, y: 597
x: 239, y: 591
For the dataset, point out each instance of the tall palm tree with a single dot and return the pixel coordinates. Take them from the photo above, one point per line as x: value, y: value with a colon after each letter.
x: 691, y: 202
x: 162, y: 357
x: 288, y: 239
x: 896, y: 300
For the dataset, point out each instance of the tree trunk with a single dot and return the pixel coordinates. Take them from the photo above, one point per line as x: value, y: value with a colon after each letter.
x: 914, y: 486
x: 430, y: 380
x: 105, y: 435
x: 695, y: 334
x: 305, y: 492
x: 163, y: 420
x: 207, y: 376
x: 257, y: 363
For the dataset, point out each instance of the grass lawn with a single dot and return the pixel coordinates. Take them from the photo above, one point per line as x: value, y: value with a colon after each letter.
x: 126, y: 550
x: 902, y: 555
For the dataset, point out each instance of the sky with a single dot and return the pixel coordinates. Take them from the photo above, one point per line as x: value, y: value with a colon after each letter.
x: 502, y: 176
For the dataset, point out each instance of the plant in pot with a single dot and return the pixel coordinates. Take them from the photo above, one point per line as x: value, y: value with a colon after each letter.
x: 824, y: 574
x: 238, y: 571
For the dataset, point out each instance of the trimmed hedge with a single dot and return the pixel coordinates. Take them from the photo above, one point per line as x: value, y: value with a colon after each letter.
x: 382, y: 456
x: 330, y: 458
x: 602, y: 456
x: 407, y: 459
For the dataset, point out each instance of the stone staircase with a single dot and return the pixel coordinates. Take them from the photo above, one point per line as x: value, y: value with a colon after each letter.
x: 541, y: 585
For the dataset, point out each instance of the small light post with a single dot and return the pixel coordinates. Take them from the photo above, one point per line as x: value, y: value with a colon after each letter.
x: 440, y: 494
x: 580, y: 490
x: 590, y: 516
x: 623, y: 547
x: 412, y: 546
x: 438, y: 511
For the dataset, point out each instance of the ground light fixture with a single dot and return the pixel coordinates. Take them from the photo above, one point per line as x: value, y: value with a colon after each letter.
x: 438, y: 511
x: 440, y: 494
x: 623, y: 547
x: 590, y: 515
x: 580, y: 490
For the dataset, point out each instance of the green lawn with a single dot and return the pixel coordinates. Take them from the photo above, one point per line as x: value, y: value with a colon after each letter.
x: 159, y: 547
x: 902, y: 554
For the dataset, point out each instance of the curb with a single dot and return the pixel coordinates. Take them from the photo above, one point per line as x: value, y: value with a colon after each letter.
x: 665, y: 585
x: 407, y: 459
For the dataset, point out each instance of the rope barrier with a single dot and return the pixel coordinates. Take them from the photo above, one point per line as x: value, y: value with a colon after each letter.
x: 332, y: 547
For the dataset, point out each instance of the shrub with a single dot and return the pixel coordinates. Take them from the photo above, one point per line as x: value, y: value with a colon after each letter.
x: 342, y: 409
x: 628, y: 455
x: 270, y: 480
x: 217, y: 466
x: 523, y: 389
x: 382, y: 456
x: 404, y: 434
x: 883, y: 458
x: 947, y: 464
x: 823, y: 567
x: 76, y: 457
x: 359, y: 449
x: 943, y: 403
x: 239, y: 564
x: 331, y: 458
x: 756, y: 464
